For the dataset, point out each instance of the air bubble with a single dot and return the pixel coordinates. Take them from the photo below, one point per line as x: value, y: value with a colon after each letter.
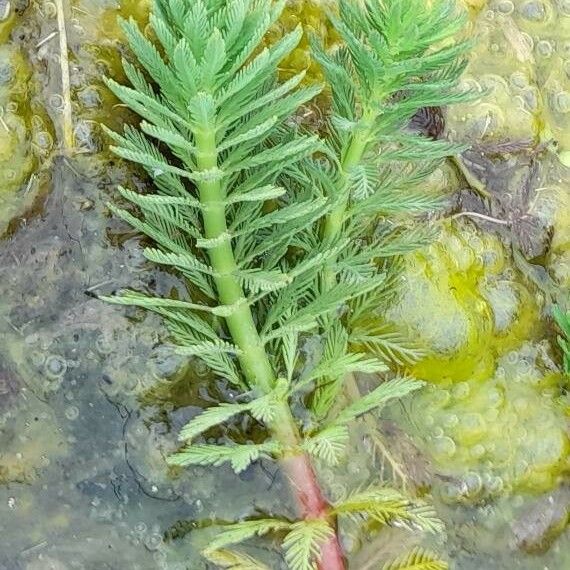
x: 56, y: 102
x: 50, y: 10
x: 519, y: 80
x: 473, y: 483
x: 444, y: 446
x: 494, y: 397
x: 55, y: 367
x: 478, y: 451
x: 438, y: 432
x: 530, y: 98
x: 495, y: 485
x: 450, y: 492
x: 451, y: 421
x: 544, y: 48
x: 6, y: 73
x: 534, y: 11
x: 89, y: 97
x: 443, y: 398
x: 562, y: 102
x: 153, y: 542
x: 490, y: 118
x: 43, y: 140
x: 461, y: 391
x: 513, y: 357
x: 72, y: 413
x: 524, y: 368
x: 506, y: 7
x: 473, y: 424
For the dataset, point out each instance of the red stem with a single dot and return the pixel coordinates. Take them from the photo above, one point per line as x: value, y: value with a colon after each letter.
x: 312, y: 505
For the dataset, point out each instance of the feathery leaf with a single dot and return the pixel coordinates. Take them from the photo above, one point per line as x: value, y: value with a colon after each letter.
x: 417, y: 559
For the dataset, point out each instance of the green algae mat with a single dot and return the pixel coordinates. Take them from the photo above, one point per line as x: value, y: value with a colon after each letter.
x: 284, y: 284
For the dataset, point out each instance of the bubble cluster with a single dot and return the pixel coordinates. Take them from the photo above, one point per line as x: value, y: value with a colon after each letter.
x: 503, y: 437
x: 476, y: 306
x: 526, y: 43
x: 490, y: 420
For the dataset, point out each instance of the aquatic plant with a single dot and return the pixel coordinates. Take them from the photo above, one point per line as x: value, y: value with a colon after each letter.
x: 563, y: 321
x: 281, y: 233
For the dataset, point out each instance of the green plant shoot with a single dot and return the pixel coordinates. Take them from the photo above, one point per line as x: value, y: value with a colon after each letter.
x: 283, y: 234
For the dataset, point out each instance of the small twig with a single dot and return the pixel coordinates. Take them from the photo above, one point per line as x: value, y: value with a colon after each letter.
x: 46, y: 39
x: 397, y: 471
x: 65, y: 81
x: 353, y: 393
x: 81, y: 11
x: 482, y: 216
x: 2, y: 121
x: 97, y: 285
x: 31, y: 180
x: 34, y: 547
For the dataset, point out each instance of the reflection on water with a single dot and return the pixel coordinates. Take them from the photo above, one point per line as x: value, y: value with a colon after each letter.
x: 91, y: 399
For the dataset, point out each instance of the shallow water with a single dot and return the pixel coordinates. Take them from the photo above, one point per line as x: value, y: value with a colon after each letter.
x: 91, y: 399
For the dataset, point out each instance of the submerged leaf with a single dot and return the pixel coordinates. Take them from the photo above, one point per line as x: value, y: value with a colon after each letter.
x: 240, y: 531
x: 233, y: 560
x: 397, y: 388
x: 239, y: 456
x: 418, y: 559
x: 303, y: 543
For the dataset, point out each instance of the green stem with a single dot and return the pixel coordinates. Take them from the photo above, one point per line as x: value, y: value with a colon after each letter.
x: 334, y: 222
x: 253, y: 357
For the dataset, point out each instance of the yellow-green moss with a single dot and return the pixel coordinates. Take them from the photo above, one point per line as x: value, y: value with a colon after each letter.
x: 311, y: 15
x: 491, y: 418
x: 462, y: 302
x: 507, y: 432
x: 16, y: 158
x: 521, y: 67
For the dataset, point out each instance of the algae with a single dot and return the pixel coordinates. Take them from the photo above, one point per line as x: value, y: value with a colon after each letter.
x: 91, y: 403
